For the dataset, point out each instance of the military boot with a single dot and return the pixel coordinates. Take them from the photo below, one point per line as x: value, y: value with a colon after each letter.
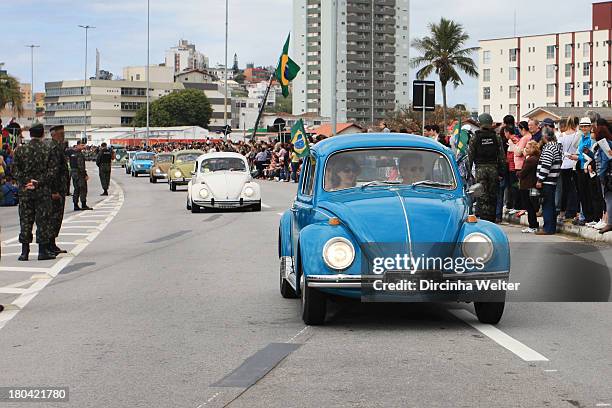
x: 25, y: 252
x: 44, y: 253
x: 54, y: 248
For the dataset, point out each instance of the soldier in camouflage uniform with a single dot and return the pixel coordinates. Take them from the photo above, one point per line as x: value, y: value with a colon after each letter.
x: 61, y: 182
x: 34, y: 169
x: 487, y: 153
x: 103, y: 161
x: 79, y: 176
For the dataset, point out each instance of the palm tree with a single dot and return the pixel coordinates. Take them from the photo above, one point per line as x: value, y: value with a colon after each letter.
x: 10, y: 93
x: 444, y: 55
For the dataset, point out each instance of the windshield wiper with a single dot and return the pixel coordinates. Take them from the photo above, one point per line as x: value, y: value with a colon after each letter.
x: 430, y: 183
x: 379, y: 183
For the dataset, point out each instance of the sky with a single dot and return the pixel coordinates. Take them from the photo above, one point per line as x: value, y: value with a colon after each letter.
x: 257, y: 29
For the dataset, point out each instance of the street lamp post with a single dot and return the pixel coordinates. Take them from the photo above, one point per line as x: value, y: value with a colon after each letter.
x: 87, y: 28
x: 31, y: 47
x: 147, y: 73
x: 334, y: 72
x: 225, y: 93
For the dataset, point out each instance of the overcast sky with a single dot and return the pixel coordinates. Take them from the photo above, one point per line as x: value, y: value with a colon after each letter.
x: 257, y: 30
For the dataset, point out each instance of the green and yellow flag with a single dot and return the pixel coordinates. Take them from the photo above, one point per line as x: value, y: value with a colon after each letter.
x: 461, y: 139
x: 298, y: 139
x: 286, y: 70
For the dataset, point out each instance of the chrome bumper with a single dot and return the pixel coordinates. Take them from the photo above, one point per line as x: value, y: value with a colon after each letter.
x: 226, y: 203
x: 343, y: 281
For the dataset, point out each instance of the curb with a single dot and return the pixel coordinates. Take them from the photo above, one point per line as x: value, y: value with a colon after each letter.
x: 578, y: 231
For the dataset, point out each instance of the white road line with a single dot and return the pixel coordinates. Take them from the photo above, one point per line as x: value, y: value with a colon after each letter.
x: 45, y: 275
x: 498, y: 336
x: 298, y: 334
x: 265, y: 205
x: 281, y: 214
x: 74, y: 234
x: 602, y: 404
x: 550, y: 371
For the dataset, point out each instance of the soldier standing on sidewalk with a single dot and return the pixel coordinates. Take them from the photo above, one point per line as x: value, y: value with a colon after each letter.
x: 34, y: 169
x: 79, y: 176
x: 61, y: 180
x: 487, y: 153
x: 103, y: 161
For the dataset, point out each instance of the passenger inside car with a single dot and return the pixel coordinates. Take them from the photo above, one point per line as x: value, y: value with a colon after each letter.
x: 341, y: 174
x: 411, y: 168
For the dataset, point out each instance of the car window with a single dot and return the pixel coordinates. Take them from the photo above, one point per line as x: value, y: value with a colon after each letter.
x: 164, y: 159
x: 188, y: 157
x: 355, y: 168
x: 144, y: 156
x: 308, y: 180
x: 223, y: 163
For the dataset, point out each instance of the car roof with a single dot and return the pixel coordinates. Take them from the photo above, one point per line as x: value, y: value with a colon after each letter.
x: 214, y: 155
x: 187, y: 151
x: 373, y: 140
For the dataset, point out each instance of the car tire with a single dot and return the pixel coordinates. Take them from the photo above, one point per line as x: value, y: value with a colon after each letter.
x: 172, y: 186
x: 188, y: 205
x: 489, y: 312
x: 314, y: 306
x: 195, y: 208
x: 285, y: 288
x: 257, y: 207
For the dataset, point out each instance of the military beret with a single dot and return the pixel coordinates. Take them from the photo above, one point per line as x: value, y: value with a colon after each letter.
x: 37, y: 130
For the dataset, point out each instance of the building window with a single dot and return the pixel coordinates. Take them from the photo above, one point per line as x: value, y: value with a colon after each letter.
x: 568, y: 89
x: 126, y: 120
x: 512, y: 54
x: 513, y: 109
x: 550, y: 52
x: 486, y: 75
x: 550, y: 90
x: 513, y: 73
x: 586, y: 69
x: 486, y: 93
x: 486, y: 108
x: 586, y: 88
x: 568, y: 50
x: 568, y: 70
x: 586, y: 50
x: 550, y: 71
x: 512, y: 92
x: 133, y: 91
x: 486, y: 57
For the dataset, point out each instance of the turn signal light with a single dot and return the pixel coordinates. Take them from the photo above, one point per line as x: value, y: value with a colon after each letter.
x: 471, y: 219
x: 334, y: 221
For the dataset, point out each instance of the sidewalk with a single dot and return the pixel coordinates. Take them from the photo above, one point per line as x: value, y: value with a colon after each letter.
x: 580, y: 231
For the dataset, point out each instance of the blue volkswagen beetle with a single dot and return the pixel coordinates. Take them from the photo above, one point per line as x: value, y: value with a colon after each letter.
x: 141, y: 163
x: 387, y: 217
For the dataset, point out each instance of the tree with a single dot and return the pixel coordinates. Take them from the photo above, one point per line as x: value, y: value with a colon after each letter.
x: 444, y: 55
x: 282, y: 105
x: 239, y: 78
x: 189, y: 107
x: 10, y: 93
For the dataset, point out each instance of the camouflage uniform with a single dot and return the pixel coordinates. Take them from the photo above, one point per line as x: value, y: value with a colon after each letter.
x: 103, y: 161
x: 33, y: 161
x: 490, y: 166
x: 60, y: 183
x: 78, y: 173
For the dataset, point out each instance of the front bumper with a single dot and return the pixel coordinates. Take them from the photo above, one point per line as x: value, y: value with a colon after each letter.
x: 142, y: 171
x: 159, y: 175
x: 227, y: 203
x: 179, y: 181
x: 344, y: 281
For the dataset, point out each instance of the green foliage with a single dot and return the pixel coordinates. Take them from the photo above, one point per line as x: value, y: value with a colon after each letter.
x: 10, y: 93
x: 239, y: 78
x: 412, y: 121
x: 444, y: 55
x: 282, y: 105
x: 189, y: 107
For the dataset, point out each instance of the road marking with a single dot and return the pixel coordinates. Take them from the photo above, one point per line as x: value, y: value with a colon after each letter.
x: 209, y: 400
x: 44, y: 275
x: 265, y: 205
x: 498, y: 336
x: 281, y: 214
x: 602, y: 404
x: 298, y: 334
x: 550, y: 371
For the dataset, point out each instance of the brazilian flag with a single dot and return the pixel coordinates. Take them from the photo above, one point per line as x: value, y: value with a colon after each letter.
x: 461, y: 139
x: 298, y: 139
x: 287, y: 70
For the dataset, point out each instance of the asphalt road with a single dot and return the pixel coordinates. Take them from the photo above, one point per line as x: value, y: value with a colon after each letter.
x: 163, y: 308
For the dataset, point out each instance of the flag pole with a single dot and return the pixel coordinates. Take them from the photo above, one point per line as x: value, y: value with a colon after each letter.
x: 263, y: 105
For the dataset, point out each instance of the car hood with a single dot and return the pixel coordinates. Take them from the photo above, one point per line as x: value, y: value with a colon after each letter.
x: 225, y: 185
x: 163, y: 167
x: 186, y: 168
x: 378, y: 216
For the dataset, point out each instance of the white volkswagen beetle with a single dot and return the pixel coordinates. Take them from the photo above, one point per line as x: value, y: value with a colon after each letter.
x: 222, y: 180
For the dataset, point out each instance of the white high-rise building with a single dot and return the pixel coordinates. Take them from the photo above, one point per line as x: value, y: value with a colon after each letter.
x: 372, y: 58
x: 184, y: 56
x: 571, y: 69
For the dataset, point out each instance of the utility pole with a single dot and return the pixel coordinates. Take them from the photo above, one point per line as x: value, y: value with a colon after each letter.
x: 87, y: 28
x: 225, y: 93
x: 334, y: 73
x: 147, y: 73
x: 31, y: 47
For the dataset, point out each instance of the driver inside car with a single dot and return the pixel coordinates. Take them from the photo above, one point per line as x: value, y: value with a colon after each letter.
x: 411, y: 168
x: 342, y: 174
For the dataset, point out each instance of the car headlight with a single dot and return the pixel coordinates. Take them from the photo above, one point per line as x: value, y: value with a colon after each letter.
x: 177, y: 174
x: 139, y: 165
x: 204, y: 192
x: 157, y: 170
x: 249, y: 191
x: 477, y: 245
x: 338, y: 253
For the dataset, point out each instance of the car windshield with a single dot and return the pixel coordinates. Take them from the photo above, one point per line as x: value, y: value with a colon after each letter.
x: 373, y: 167
x: 144, y: 156
x: 187, y: 157
x: 167, y: 158
x: 222, y: 163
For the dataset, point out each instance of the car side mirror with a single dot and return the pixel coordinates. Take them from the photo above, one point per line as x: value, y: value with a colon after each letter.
x: 476, y: 190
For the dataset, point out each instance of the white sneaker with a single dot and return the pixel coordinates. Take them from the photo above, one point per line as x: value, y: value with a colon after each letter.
x: 528, y: 230
x: 512, y: 212
x: 600, y: 224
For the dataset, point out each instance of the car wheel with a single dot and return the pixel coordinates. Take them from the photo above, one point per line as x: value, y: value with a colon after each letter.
x: 195, y: 208
x: 188, y: 204
x: 489, y: 312
x: 257, y: 207
x: 172, y: 186
x: 153, y: 180
x: 314, y: 305
x: 285, y: 288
